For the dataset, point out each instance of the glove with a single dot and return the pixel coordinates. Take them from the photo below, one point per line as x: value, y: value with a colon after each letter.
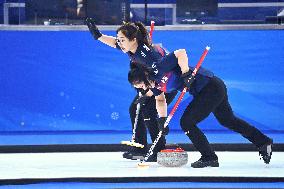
x: 142, y: 99
x: 161, y: 122
x: 93, y: 28
x: 187, y: 79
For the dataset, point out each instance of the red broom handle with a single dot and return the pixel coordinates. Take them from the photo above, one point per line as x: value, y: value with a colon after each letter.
x: 152, y: 29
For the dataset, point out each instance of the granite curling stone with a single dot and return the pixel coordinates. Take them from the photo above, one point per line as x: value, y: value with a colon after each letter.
x: 172, y: 157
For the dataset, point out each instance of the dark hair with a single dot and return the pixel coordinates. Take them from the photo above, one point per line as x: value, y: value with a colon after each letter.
x: 139, y: 73
x: 135, y: 30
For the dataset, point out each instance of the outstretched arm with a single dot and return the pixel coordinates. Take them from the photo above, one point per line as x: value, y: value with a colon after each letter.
x: 108, y: 40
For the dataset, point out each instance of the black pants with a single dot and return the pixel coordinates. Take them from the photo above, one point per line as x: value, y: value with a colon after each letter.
x: 147, y: 119
x: 213, y: 98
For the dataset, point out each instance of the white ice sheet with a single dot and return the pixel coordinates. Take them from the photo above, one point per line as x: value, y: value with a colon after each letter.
x: 111, y: 164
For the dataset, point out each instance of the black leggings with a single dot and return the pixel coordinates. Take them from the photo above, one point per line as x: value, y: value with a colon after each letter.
x: 147, y: 119
x: 213, y: 98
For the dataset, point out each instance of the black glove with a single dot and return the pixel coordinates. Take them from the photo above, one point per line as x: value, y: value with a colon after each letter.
x: 187, y: 79
x: 161, y: 122
x: 142, y: 99
x: 93, y: 28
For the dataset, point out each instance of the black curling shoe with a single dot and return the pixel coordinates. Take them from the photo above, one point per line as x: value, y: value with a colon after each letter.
x: 204, y: 162
x: 134, y: 154
x: 265, y: 151
x: 127, y: 155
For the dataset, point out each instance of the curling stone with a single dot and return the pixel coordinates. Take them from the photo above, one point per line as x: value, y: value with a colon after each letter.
x: 172, y: 157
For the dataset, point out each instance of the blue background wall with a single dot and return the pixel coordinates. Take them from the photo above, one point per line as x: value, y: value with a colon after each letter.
x: 66, y: 81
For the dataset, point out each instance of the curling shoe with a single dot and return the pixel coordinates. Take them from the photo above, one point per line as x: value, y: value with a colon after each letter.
x: 137, y: 155
x: 265, y: 152
x: 134, y: 154
x: 126, y: 155
x: 205, y: 162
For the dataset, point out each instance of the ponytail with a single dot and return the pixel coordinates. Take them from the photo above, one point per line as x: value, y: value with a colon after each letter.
x: 144, y: 33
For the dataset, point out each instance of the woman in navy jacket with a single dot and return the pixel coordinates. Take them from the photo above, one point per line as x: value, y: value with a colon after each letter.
x: 133, y: 39
x: 209, y: 96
